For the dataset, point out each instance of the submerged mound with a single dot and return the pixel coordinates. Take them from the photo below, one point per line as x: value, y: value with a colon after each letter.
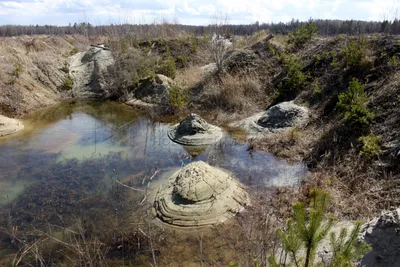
x: 195, y: 131
x: 9, y: 126
x: 199, y: 195
x: 278, y: 118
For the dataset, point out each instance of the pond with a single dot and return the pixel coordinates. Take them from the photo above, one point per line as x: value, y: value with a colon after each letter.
x: 70, y: 163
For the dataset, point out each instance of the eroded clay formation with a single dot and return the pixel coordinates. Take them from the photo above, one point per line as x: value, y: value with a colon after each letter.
x: 199, y: 195
x: 195, y: 131
x: 9, y: 126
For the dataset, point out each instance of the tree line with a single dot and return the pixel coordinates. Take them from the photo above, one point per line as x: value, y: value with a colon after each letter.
x: 325, y: 27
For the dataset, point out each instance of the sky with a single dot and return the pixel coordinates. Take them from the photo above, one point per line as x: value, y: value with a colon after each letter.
x: 191, y: 12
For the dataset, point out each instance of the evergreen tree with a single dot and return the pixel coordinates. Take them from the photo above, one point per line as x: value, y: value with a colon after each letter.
x: 306, y: 229
x: 346, y: 250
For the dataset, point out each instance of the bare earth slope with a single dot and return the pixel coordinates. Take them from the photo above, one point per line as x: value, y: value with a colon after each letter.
x: 33, y: 71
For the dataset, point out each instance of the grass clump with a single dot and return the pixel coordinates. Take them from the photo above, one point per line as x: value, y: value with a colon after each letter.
x: 354, y: 104
x: 65, y: 68
x: 68, y: 83
x: 18, y: 70
x: 303, y: 34
x: 371, y: 147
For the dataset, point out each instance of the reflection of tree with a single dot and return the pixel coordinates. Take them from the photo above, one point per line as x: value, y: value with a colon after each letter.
x: 218, y: 152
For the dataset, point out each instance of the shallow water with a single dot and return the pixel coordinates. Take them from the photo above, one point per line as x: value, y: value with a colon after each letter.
x: 65, y: 163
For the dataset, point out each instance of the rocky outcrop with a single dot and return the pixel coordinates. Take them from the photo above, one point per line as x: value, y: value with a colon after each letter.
x: 9, y: 126
x: 195, y: 131
x: 382, y: 234
x: 89, y: 71
x: 279, y: 118
x: 199, y: 195
x: 152, y: 91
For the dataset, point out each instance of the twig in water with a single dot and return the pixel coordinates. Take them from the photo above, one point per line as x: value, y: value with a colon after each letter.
x: 132, y: 188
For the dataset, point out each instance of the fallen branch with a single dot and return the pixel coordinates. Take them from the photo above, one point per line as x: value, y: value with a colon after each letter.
x: 132, y: 188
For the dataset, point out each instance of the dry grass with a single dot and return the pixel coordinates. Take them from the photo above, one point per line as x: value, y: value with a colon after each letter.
x: 239, y: 94
x: 245, y: 41
x: 280, y: 41
x: 189, y: 77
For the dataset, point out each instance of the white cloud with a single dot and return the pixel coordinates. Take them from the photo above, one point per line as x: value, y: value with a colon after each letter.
x: 189, y: 11
x: 11, y: 5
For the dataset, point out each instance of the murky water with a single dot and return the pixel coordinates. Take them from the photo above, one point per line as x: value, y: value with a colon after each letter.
x: 66, y: 162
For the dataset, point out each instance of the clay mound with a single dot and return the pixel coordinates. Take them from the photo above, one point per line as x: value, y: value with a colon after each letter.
x: 9, y: 126
x: 279, y: 118
x: 195, y: 131
x: 199, y: 195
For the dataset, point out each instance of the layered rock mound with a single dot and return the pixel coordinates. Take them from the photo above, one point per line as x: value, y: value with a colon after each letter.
x: 9, y: 126
x: 382, y: 233
x: 199, y: 195
x: 195, y: 131
x: 279, y: 118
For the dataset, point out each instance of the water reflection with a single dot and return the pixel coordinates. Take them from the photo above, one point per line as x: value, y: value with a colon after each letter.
x: 93, y: 130
x: 65, y: 164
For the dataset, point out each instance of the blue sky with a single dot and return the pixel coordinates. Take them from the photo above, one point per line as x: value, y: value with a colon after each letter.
x: 194, y: 12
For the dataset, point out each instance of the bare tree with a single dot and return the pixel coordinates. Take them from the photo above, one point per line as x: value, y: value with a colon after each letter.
x: 219, y: 46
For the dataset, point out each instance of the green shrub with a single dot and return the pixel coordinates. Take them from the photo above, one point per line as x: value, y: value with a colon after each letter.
x: 167, y: 68
x: 371, y: 147
x: 177, y: 97
x: 317, y: 88
x: 74, y: 51
x: 394, y: 61
x: 296, y: 79
x: 354, y: 104
x: 271, y: 49
x: 303, y: 34
x: 68, y: 83
x: 354, y: 52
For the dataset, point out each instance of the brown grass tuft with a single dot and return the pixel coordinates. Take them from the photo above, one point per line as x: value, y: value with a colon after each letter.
x: 240, y: 94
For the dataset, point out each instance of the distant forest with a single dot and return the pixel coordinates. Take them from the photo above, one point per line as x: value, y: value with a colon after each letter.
x: 325, y: 27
